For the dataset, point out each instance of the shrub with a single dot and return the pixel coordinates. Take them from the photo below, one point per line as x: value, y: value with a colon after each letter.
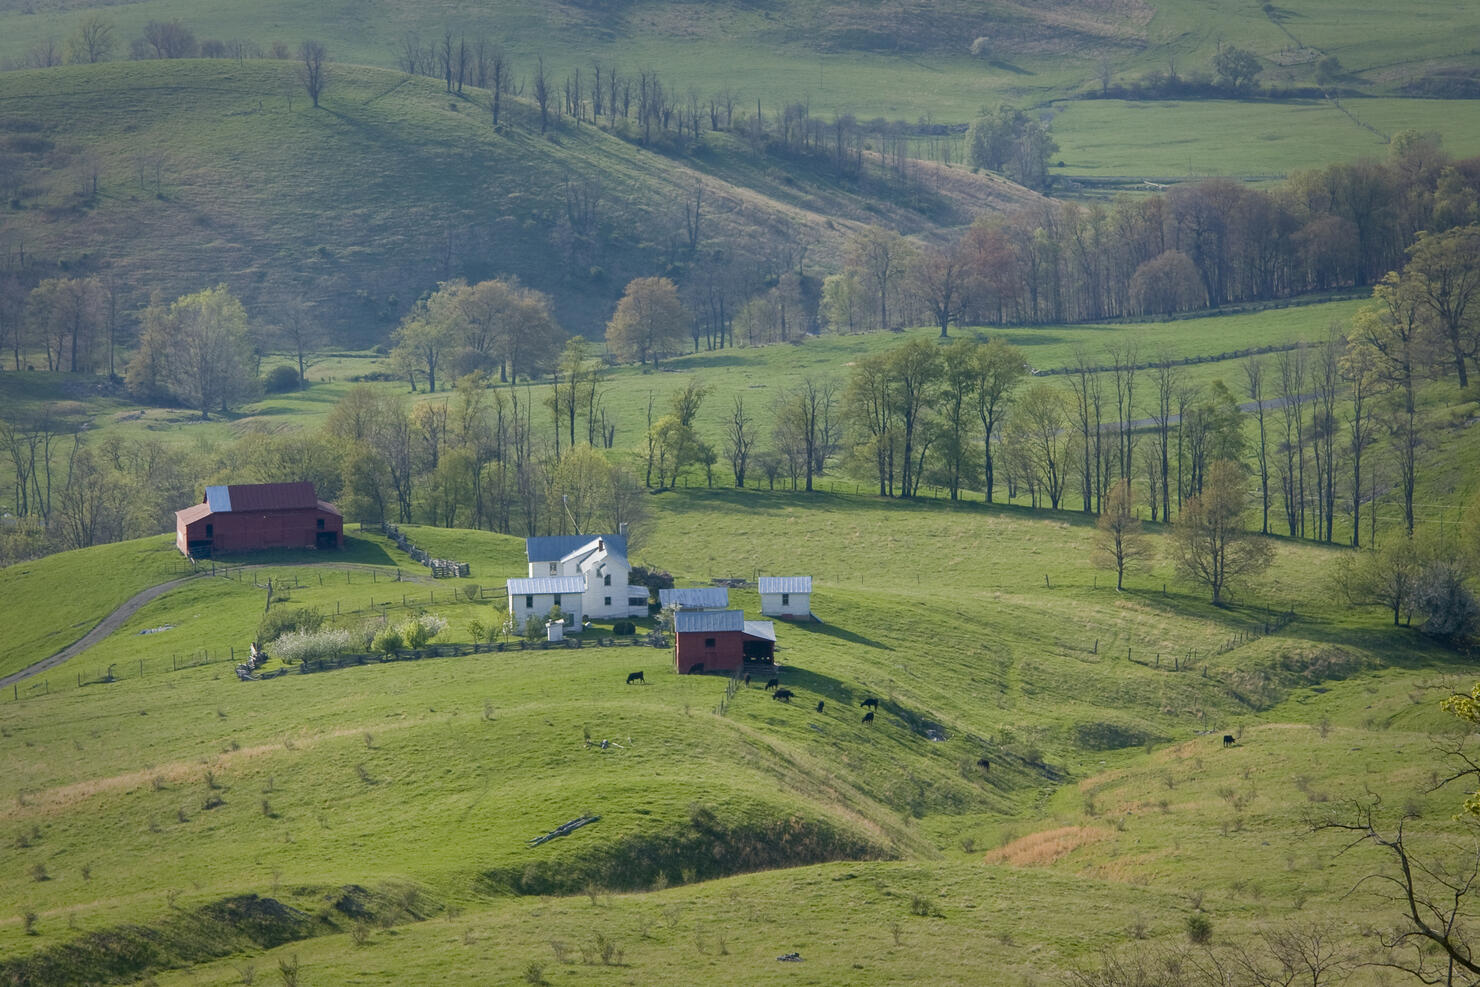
x: 419, y: 631
x: 278, y: 622
x: 280, y: 379
x: 1199, y: 929
x: 624, y: 627
x: 388, y: 639
x: 299, y: 646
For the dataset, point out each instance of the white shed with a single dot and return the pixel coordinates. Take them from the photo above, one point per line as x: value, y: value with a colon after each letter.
x: 786, y: 596
x: 695, y: 598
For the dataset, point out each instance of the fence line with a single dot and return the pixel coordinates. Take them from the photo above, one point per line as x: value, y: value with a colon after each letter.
x: 441, y: 568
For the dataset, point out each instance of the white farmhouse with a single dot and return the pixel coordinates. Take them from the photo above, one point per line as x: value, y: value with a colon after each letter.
x: 595, y: 566
x: 786, y: 596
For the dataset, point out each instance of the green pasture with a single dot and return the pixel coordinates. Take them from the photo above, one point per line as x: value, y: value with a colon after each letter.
x: 1183, y: 140
x: 1110, y: 799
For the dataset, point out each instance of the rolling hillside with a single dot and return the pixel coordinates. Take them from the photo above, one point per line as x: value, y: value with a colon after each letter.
x: 358, y: 804
x: 172, y: 176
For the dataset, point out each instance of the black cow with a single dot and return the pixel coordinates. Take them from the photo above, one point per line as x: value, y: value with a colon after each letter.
x: 1228, y: 740
x: 870, y: 701
x: 772, y: 683
x: 984, y: 763
x: 868, y: 717
x: 783, y: 694
x: 819, y: 705
x: 697, y: 668
x: 747, y: 680
x: 636, y: 677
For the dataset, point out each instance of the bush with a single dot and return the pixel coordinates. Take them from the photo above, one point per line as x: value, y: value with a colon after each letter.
x: 278, y: 622
x: 624, y: 627
x: 1199, y: 929
x: 280, y: 379
x: 388, y: 639
x: 419, y: 631
x: 300, y: 646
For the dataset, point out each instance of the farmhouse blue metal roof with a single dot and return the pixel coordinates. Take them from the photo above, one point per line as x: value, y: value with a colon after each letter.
x: 706, y: 597
x: 708, y: 621
x: 547, y: 585
x: 784, y: 584
x: 553, y: 548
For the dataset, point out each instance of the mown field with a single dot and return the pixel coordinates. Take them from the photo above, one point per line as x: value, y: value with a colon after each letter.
x: 1110, y: 803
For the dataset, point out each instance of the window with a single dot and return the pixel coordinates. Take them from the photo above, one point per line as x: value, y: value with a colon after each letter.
x: 529, y: 603
x: 321, y: 524
x: 608, y: 579
x: 785, y: 599
x: 554, y: 568
x: 608, y: 601
x: 709, y: 642
x: 208, y: 529
x: 557, y: 599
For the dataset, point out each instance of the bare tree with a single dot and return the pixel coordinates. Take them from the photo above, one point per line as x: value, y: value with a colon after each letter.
x: 542, y: 93
x: 93, y: 41
x: 314, y: 71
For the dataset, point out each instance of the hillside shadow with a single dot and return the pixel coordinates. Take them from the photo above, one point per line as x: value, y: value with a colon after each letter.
x: 356, y: 551
x: 998, y: 63
x: 810, y: 686
x: 839, y: 634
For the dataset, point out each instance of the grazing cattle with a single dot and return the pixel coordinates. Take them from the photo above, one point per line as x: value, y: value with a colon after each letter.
x: 1228, y: 740
x: 984, y: 763
x: 747, y: 680
x: 697, y: 668
x: 783, y: 694
x: 819, y: 705
x: 772, y: 683
x: 636, y: 677
x: 870, y: 701
x: 868, y: 717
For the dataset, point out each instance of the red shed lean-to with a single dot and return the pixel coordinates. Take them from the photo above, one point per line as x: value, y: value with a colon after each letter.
x: 255, y: 516
x: 721, y: 641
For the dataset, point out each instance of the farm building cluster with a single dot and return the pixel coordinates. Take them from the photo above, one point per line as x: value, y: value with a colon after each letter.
x: 587, y: 576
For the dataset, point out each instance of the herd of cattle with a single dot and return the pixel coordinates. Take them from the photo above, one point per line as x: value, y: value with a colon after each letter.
x: 773, y: 686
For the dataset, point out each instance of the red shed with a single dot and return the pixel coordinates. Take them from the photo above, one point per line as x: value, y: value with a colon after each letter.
x: 721, y: 641
x: 254, y: 516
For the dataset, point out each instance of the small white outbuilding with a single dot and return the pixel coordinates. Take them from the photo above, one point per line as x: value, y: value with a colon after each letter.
x: 786, y: 596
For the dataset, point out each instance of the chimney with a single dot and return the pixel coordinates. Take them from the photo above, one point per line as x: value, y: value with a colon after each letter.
x: 601, y: 544
x: 622, y: 529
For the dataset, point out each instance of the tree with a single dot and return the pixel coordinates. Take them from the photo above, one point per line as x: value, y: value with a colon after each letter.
x: 1385, y: 577
x: 301, y: 334
x: 805, y: 413
x: 1037, y: 432
x: 881, y: 256
x: 1212, y: 547
x: 314, y: 70
x: 649, y: 320
x: 168, y: 39
x: 428, y: 331
x: 739, y: 431
x: 1445, y: 268
x: 997, y: 367
x: 69, y: 315
x: 198, y: 350
x: 93, y: 40
x: 1008, y: 140
x: 1165, y: 284
x: 542, y: 93
x: 915, y: 369
x: 843, y: 302
x: 1236, y: 67
x: 937, y: 277
x: 1119, y: 544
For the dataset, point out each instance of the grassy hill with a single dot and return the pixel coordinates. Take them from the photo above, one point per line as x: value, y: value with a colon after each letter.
x: 390, y: 804
x: 210, y: 171
x: 872, y: 58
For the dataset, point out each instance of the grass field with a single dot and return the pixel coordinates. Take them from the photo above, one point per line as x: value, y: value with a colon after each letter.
x: 1105, y: 803
x: 1182, y: 140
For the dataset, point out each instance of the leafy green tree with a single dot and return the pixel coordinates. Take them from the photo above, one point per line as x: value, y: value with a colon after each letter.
x: 1009, y: 141
x: 881, y: 257
x: 998, y: 368
x: 1445, y: 270
x: 198, y: 350
x: 648, y: 322
x: 843, y: 302
x: 1213, y: 548
x: 1237, y: 68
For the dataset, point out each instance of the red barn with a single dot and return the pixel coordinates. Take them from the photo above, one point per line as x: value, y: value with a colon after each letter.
x: 721, y: 641
x: 254, y: 516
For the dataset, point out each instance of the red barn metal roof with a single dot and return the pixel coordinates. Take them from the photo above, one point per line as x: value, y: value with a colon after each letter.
x: 263, y: 496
